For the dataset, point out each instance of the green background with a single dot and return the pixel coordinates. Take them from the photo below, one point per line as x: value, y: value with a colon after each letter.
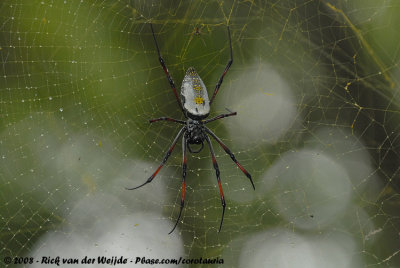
x: 80, y: 79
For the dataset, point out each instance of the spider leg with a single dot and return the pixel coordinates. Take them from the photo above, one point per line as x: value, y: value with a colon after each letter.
x: 164, y: 160
x: 218, y: 179
x: 171, y: 82
x: 167, y: 119
x: 183, y: 181
x: 231, y: 155
x: 219, y: 117
x: 228, y: 65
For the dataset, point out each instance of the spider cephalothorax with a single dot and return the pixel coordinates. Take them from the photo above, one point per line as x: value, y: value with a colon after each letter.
x: 194, y: 134
x: 195, y: 106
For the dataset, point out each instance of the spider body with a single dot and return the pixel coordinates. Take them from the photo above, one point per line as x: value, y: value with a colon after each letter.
x: 195, y: 105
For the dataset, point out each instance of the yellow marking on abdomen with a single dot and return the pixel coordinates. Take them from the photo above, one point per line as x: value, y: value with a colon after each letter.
x: 198, y: 100
x: 197, y: 86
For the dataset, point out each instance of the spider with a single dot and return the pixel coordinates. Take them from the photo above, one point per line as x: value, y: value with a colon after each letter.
x: 195, y: 106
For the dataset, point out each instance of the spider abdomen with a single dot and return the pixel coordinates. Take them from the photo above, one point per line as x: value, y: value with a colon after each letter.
x: 194, y: 96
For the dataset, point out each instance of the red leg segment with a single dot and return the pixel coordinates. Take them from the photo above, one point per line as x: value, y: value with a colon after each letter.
x: 221, y: 79
x: 162, y: 62
x: 183, y: 182
x: 167, y: 119
x: 231, y: 155
x: 164, y: 160
x: 221, y: 192
x: 219, y: 117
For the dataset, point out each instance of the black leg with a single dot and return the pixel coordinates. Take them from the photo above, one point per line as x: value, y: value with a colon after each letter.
x: 171, y: 82
x: 164, y: 160
x: 226, y: 69
x: 183, y: 181
x: 167, y: 119
x: 231, y: 155
x: 214, y: 160
x: 219, y: 117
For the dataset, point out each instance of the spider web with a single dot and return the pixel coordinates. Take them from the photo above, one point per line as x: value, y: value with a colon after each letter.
x: 315, y: 85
